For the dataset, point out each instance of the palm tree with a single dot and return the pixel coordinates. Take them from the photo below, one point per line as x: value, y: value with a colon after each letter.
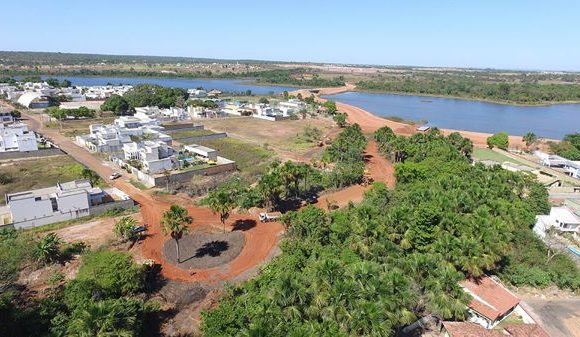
x: 48, y: 248
x: 221, y: 202
x: 175, y: 221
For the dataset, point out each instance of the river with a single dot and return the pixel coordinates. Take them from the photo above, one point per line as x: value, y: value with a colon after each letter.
x: 223, y: 85
x: 551, y: 121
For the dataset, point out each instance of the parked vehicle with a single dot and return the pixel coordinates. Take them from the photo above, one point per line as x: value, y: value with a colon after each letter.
x: 115, y: 175
x: 267, y: 217
x: 139, y: 229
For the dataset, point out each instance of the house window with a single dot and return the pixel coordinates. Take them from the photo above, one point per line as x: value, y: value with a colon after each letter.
x: 54, y: 204
x: 37, y: 199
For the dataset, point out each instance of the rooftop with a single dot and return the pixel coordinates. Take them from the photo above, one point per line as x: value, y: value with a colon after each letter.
x: 564, y: 214
x: 468, y: 329
x: 490, y: 298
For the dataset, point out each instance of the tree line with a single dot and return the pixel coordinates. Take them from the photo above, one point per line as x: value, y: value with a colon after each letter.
x: 373, y: 268
x: 475, y: 88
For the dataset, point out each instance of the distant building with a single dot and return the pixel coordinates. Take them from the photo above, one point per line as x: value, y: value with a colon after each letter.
x: 65, y: 201
x: 34, y: 100
x: 6, y: 117
x: 17, y: 138
x: 423, y: 128
x: 571, y: 167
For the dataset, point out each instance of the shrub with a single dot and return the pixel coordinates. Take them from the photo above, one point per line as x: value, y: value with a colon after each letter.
x: 499, y: 140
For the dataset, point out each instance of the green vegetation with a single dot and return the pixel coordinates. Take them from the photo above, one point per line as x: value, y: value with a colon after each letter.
x: 376, y: 267
x: 530, y: 138
x: 292, y: 77
x: 499, y: 140
x: 82, y: 112
x: 30, y: 174
x: 117, y: 104
x: 330, y: 107
x: 346, y: 155
x: 223, y: 199
x: 57, y: 84
x: 103, y: 299
x: 476, y: 87
x: 309, y: 136
x: 175, y: 222
x: 340, y: 119
x: 569, y: 147
x: 155, y: 95
x: 123, y: 228
x: 489, y: 154
x: 250, y: 159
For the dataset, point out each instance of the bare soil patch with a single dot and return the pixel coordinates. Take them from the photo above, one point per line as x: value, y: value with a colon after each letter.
x: 202, y: 250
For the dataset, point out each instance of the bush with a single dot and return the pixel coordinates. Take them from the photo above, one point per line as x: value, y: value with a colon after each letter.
x: 113, y: 273
x: 499, y: 140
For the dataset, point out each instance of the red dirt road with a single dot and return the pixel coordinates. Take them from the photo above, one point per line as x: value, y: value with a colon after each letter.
x: 261, y: 239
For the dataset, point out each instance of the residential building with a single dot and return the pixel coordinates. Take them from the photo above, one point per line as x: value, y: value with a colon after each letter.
x: 291, y: 107
x: 6, y: 117
x: 125, y: 129
x: 196, y: 93
x: 561, y: 218
x: 62, y: 202
x: 153, y: 156
x: 17, y: 138
x: 202, y: 151
x: 467, y: 329
x: 491, y: 302
x: 572, y: 168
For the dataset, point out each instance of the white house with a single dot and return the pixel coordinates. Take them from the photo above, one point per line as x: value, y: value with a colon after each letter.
x: 202, y: 151
x: 561, y: 218
x: 125, y: 129
x: 62, y: 202
x: 6, y: 117
x: 154, y: 156
x: 571, y: 167
x: 17, y: 138
x: 290, y: 107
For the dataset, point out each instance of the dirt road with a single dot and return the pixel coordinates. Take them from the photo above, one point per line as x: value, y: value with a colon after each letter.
x: 260, y: 238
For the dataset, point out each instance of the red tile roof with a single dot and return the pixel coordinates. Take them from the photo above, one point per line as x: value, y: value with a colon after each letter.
x: 468, y: 329
x: 490, y: 298
x: 525, y: 330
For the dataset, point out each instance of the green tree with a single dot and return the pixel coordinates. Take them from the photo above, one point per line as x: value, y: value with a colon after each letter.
x: 263, y: 100
x: 330, y: 107
x: 499, y: 140
x: 115, y: 317
x: 340, y: 119
x: 221, y: 202
x: 92, y: 176
x: 116, y: 104
x: 176, y: 222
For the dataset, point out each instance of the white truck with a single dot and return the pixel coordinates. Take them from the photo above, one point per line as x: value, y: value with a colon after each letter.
x: 267, y: 217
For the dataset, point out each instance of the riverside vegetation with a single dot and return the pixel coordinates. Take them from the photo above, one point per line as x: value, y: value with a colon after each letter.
x: 373, y: 268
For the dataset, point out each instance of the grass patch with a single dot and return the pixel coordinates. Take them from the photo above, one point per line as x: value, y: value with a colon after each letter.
x: 138, y: 184
x: 404, y: 121
x: 189, y: 133
x: 250, y: 159
x: 72, y: 128
x: 488, y: 154
x: 28, y: 174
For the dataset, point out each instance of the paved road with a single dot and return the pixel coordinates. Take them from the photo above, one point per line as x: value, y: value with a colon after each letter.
x: 560, y: 318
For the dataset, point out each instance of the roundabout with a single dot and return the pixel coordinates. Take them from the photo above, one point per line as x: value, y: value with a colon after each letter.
x: 202, y: 249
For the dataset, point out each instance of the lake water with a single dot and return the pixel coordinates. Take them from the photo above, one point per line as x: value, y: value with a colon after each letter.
x: 553, y: 121
x: 223, y: 85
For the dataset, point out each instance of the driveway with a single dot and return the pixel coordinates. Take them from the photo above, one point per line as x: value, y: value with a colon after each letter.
x: 560, y: 317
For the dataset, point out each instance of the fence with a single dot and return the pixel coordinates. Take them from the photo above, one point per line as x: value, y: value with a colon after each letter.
x: 194, y: 139
x: 31, y: 154
x: 182, y: 127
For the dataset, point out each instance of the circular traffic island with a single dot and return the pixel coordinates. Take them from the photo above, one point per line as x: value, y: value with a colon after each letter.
x: 203, y: 250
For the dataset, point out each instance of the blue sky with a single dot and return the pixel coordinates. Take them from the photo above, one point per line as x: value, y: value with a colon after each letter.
x: 514, y: 34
